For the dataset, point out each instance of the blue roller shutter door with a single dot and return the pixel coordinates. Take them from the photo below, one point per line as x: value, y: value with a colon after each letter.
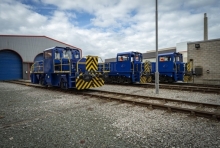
x: 10, y: 65
x: 39, y: 57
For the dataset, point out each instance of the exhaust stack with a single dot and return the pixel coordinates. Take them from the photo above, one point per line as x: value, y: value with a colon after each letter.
x: 205, y: 27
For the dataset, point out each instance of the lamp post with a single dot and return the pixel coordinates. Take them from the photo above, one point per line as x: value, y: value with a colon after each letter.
x: 156, y: 73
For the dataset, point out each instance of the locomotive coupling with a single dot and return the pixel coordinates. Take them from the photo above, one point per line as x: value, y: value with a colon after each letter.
x: 86, y: 77
x: 146, y: 74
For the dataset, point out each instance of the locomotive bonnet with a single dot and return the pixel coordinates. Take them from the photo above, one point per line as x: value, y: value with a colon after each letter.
x: 64, y: 67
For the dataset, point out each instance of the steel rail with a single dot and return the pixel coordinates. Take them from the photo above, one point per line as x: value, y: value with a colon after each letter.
x: 176, y: 87
x: 194, y: 112
x: 165, y: 100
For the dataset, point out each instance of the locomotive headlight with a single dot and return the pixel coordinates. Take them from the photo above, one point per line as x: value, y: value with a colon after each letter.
x: 80, y: 76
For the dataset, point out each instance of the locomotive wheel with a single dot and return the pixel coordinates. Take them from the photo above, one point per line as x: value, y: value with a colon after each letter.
x: 105, y: 76
x: 128, y: 80
x: 112, y: 79
x: 162, y: 79
x: 170, y: 80
x: 121, y: 80
x: 62, y: 84
x: 41, y: 81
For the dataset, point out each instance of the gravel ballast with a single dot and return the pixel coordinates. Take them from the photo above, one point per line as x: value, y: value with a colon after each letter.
x: 165, y: 93
x: 32, y: 117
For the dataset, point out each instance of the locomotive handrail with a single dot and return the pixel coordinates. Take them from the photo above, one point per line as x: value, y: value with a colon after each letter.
x: 101, y: 59
x: 133, y: 67
x: 105, y: 68
x: 37, y: 68
x: 78, y: 62
x: 61, y: 66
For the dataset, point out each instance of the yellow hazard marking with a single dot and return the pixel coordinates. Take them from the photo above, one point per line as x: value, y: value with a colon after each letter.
x: 149, y: 79
x: 92, y: 63
x: 95, y: 82
x: 143, y: 79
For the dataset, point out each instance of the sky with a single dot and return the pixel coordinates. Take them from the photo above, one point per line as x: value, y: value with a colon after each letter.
x: 107, y: 27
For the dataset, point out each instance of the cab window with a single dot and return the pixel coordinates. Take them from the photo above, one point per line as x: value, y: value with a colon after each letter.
x: 57, y: 55
x: 76, y: 56
x: 67, y: 54
x: 123, y: 58
x: 47, y: 54
x: 177, y: 59
x: 165, y: 58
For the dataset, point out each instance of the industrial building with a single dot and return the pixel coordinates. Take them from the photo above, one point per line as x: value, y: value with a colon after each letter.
x: 18, y: 52
x: 151, y: 55
x: 205, y: 56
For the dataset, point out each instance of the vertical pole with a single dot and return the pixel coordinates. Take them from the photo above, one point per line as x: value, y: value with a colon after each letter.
x: 156, y: 73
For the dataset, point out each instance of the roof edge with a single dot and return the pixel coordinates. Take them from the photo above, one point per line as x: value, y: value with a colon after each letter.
x: 202, y: 41
x: 40, y: 36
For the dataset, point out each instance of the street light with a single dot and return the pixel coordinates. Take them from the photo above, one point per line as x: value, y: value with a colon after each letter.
x: 156, y: 73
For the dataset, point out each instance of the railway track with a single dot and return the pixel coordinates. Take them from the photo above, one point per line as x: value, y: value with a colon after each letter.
x: 193, y: 84
x: 203, y: 89
x: 194, y: 108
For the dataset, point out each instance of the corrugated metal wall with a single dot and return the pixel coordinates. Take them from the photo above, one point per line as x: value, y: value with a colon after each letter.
x: 28, y: 47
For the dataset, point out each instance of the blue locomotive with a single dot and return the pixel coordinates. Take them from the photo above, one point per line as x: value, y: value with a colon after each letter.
x: 64, y: 67
x: 128, y: 68
x: 172, y: 68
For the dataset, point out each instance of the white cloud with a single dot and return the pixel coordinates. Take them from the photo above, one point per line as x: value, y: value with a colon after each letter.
x: 117, y: 26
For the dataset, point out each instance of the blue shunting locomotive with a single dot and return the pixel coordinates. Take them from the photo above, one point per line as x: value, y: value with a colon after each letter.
x: 64, y: 67
x: 128, y: 68
x: 172, y: 68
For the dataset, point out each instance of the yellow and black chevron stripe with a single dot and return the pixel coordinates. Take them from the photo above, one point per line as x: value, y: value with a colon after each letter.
x: 95, y: 82
x: 147, y: 69
x: 188, y: 78
x: 81, y: 84
x: 92, y: 63
x: 189, y: 66
x: 149, y: 79
x: 147, y: 66
x: 143, y: 79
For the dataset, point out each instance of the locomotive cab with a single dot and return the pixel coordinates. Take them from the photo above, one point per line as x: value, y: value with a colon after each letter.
x: 171, y: 67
